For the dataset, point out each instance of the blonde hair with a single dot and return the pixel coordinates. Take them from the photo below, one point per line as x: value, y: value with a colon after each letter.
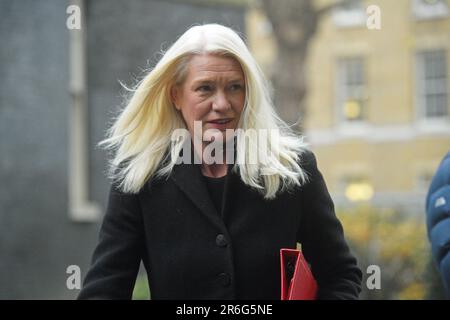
x: 141, y: 134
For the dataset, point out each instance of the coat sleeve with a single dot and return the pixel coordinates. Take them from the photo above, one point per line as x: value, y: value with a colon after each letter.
x: 322, y: 238
x: 118, y: 254
x: 438, y: 219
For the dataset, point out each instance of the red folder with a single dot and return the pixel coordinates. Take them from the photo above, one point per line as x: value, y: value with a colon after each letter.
x: 297, y: 281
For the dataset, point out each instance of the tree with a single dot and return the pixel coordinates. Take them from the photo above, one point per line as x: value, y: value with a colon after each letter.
x: 294, y: 24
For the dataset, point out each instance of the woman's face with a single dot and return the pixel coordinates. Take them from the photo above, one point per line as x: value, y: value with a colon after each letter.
x: 213, y: 92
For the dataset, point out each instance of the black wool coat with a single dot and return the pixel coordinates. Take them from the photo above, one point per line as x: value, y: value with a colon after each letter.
x: 191, y: 251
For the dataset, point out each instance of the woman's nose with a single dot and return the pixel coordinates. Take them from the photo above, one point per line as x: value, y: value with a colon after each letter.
x: 221, y: 102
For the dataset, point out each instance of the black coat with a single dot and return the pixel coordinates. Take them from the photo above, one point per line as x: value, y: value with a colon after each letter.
x: 191, y: 252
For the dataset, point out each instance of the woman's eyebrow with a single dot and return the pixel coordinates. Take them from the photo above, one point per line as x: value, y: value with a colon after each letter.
x: 210, y: 81
x: 236, y: 80
x: 203, y: 80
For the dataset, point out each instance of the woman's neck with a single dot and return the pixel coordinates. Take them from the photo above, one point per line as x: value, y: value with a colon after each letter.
x: 214, y: 170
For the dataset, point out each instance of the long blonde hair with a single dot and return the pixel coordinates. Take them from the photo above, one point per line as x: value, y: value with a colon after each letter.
x: 141, y: 133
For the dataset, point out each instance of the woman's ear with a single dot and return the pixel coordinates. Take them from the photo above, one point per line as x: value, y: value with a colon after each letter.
x: 174, y: 95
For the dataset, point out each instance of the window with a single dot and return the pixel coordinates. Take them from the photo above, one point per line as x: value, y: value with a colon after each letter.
x: 357, y: 188
x: 351, y: 90
x: 81, y: 209
x: 432, y: 84
x: 429, y: 9
x: 349, y: 14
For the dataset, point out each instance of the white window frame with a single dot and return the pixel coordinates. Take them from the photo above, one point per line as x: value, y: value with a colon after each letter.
x: 426, y: 11
x: 425, y: 123
x: 81, y: 209
x: 353, y: 16
x: 351, y: 127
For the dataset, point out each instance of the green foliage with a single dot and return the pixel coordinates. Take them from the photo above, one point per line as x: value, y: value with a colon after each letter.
x: 394, y: 241
x: 141, y: 290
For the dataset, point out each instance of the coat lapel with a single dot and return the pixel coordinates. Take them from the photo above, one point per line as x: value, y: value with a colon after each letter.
x: 189, y: 178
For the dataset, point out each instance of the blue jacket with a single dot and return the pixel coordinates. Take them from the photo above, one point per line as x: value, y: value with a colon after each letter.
x: 438, y: 219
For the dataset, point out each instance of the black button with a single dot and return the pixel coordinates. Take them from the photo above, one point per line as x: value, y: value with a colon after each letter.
x: 224, y: 279
x: 221, y: 241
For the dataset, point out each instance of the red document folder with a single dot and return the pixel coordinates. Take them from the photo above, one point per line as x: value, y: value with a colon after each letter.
x: 297, y: 281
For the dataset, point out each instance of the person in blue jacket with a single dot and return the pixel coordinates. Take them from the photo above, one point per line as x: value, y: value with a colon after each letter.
x: 438, y: 219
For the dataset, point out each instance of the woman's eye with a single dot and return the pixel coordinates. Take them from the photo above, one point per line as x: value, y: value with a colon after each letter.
x: 204, y: 88
x: 235, y: 87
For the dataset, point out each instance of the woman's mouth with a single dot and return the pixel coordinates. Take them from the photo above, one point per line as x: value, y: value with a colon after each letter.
x: 219, y: 123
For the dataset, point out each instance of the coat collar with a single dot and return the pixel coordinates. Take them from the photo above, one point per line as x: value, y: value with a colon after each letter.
x: 189, y: 178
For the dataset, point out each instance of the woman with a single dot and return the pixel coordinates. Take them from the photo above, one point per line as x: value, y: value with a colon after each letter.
x: 212, y: 229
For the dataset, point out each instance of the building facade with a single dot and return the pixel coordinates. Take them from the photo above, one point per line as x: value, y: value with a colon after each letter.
x: 60, y: 89
x: 377, y: 106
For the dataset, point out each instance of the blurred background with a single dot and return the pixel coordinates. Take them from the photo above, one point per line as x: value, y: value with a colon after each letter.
x: 366, y: 82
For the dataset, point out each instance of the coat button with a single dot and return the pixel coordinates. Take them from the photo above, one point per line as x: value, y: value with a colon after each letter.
x: 221, y: 241
x: 225, y: 279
